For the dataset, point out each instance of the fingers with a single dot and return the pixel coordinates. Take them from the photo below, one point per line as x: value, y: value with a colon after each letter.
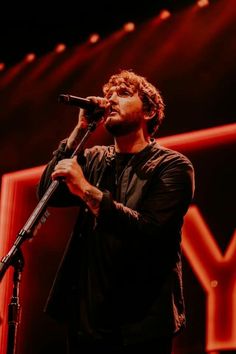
x: 65, y: 168
x: 57, y: 174
x: 100, y: 102
x: 101, y: 108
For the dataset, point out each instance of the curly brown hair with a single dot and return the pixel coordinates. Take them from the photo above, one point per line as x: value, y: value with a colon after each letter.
x: 149, y: 94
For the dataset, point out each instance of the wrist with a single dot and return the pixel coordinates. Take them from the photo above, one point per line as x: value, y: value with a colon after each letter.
x: 92, y: 196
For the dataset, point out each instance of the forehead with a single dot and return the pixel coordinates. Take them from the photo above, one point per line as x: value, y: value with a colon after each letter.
x: 120, y: 80
x: 119, y: 85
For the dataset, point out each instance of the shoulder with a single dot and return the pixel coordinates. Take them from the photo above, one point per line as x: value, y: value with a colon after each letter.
x: 99, y: 152
x: 174, y: 168
x: 166, y: 157
x: 173, y: 165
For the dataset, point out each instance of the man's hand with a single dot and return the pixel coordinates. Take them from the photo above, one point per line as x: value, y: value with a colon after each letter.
x: 73, y: 176
x: 86, y: 116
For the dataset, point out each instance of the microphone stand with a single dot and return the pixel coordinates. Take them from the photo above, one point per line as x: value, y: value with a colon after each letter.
x: 15, y: 257
x: 14, y: 306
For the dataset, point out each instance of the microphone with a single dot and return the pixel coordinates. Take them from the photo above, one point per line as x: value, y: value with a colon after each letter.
x: 78, y: 102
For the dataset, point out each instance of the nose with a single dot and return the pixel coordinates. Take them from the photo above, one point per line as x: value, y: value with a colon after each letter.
x: 113, y: 97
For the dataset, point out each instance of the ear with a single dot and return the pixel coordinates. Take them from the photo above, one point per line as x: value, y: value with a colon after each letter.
x: 149, y: 115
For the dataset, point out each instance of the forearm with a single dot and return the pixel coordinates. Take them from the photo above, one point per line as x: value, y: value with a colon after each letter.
x: 125, y: 221
x: 75, y: 137
x: 162, y: 207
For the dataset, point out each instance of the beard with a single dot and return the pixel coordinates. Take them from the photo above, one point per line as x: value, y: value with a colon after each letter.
x: 119, y: 127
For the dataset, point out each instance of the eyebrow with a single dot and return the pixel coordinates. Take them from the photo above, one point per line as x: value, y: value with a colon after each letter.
x: 122, y: 85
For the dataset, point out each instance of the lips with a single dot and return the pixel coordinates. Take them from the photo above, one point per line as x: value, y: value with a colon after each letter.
x: 114, y: 110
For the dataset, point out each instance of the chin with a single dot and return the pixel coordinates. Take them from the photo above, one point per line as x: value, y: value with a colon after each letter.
x: 118, y: 130
x: 114, y: 130
x: 118, y: 127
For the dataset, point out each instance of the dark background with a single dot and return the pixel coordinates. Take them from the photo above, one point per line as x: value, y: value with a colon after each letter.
x: 38, y: 27
x: 191, y: 58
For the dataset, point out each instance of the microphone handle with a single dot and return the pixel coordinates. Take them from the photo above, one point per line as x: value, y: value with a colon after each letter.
x: 76, y: 101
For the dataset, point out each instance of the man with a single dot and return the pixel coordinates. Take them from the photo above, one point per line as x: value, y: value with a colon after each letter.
x: 119, y: 286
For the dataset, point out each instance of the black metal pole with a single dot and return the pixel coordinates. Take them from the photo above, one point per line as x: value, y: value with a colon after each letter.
x: 14, y: 305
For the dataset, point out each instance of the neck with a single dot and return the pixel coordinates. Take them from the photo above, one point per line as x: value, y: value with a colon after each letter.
x: 131, y: 143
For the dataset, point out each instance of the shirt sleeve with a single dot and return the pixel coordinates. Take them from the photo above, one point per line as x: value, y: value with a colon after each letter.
x: 162, y: 207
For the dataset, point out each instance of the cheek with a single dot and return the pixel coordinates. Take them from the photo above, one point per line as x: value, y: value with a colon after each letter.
x: 130, y: 108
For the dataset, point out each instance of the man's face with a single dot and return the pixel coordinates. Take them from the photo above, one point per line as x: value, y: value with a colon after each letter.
x: 126, y: 110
